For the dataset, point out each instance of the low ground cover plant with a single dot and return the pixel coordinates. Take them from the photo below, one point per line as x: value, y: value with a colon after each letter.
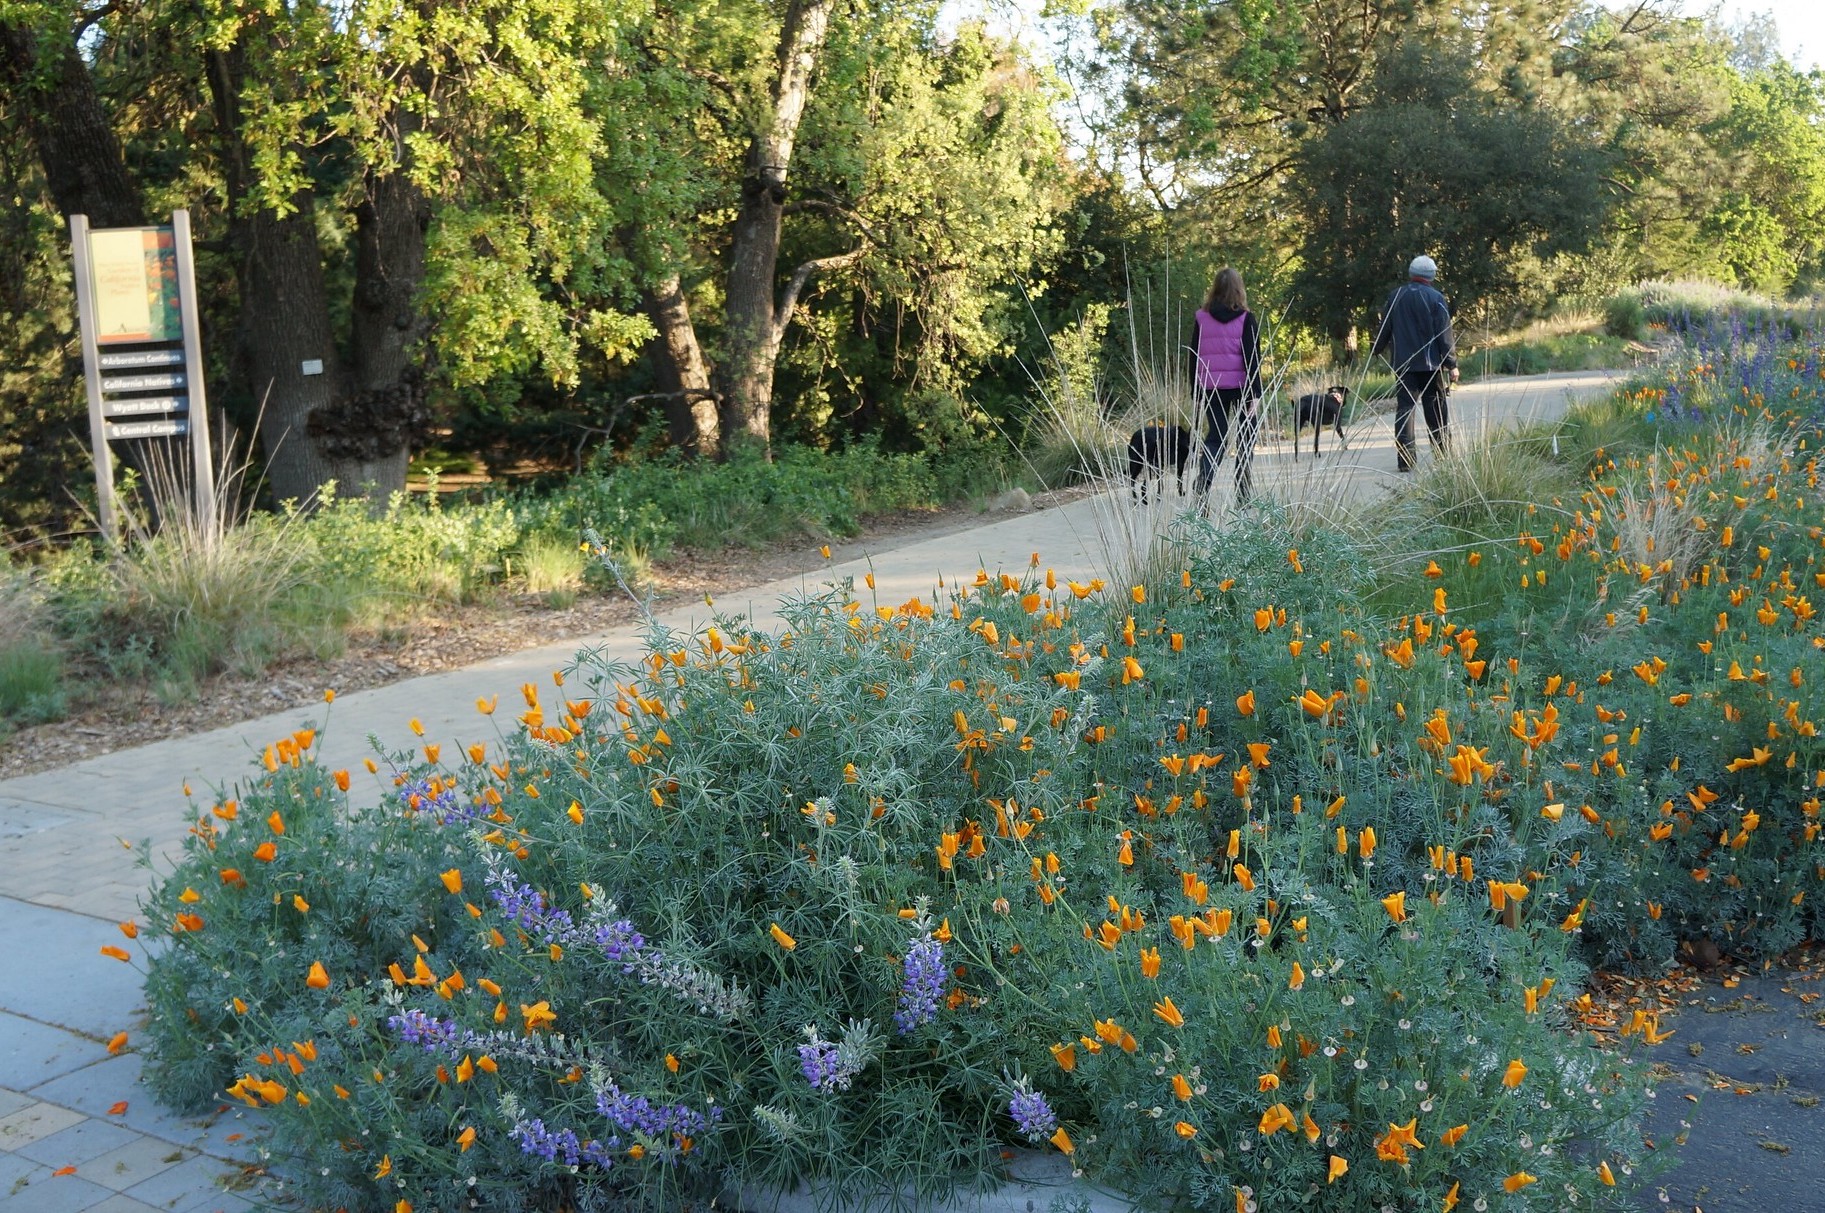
x: 1270, y: 884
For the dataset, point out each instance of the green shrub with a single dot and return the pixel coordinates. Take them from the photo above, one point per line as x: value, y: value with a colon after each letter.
x: 183, y: 604
x: 31, y: 683
x: 653, y: 505
x: 1567, y: 352
x: 1688, y: 304
x: 1625, y: 316
x: 412, y: 552
x: 872, y: 791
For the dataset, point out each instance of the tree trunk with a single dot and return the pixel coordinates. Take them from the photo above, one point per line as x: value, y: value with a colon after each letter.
x: 691, y: 407
x: 284, y: 325
x: 371, y: 425
x: 64, y: 117
x: 322, y: 421
x: 756, y: 322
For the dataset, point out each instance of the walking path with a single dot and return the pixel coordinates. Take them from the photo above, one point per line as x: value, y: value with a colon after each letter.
x: 1739, y: 1104
x: 68, y: 879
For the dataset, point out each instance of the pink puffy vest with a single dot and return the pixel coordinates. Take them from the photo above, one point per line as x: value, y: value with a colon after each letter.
x: 1220, y: 362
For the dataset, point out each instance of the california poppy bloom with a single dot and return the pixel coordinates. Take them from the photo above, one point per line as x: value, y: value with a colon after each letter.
x: 1276, y: 1118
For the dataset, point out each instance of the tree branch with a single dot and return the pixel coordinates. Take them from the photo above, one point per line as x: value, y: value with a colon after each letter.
x: 788, y: 302
x: 90, y: 18
x: 830, y: 206
x: 689, y: 393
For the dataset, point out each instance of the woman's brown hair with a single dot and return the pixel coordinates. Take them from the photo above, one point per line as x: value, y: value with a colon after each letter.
x: 1227, y: 291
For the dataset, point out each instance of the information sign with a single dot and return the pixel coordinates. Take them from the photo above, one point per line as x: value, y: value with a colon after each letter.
x: 136, y: 300
x: 134, y: 276
x: 167, y: 428
x: 134, y: 359
x: 137, y: 405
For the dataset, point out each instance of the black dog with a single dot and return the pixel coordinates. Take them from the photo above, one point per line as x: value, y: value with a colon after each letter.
x: 1319, y: 410
x: 1151, y: 451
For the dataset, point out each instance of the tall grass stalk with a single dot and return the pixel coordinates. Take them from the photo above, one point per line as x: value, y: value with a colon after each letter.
x: 552, y: 567
x: 233, y: 591
x: 1493, y: 484
x: 1082, y: 423
x: 31, y: 660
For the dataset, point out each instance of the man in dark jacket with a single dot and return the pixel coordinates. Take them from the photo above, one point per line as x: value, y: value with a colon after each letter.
x: 1415, y: 336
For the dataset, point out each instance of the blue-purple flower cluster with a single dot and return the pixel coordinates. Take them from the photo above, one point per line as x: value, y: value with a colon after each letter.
x: 414, y: 1027
x: 437, y: 800
x: 1033, y: 1116
x: 822, y: 1064
x: 922, y: 984
x: 631, y: 1115
x: 638, y: 1114
x: 561, y: 1145
x: 551, y: 1052
x: 528, y: 908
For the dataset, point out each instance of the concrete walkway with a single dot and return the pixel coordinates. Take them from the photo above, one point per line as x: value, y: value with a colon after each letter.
x: 1738, y: 1115
x: 68, y: 878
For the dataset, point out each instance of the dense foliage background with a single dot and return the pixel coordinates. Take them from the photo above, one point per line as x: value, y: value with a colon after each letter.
x: 514, y: 232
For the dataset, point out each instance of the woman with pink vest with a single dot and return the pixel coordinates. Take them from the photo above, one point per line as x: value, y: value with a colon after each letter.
x: 1226, y: 373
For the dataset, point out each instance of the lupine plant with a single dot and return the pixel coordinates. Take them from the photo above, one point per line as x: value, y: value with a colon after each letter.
x: 1247, y: 889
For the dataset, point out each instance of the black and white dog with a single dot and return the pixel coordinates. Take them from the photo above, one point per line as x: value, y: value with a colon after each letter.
x: 1320, y: 410
x: 1152, y: 451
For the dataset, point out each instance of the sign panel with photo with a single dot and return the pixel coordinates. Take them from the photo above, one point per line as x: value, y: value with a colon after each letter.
x: 135, y: 282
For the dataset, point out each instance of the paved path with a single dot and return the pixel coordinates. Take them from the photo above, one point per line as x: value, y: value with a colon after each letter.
x: 1739, y: 1110
x: 68, y: 879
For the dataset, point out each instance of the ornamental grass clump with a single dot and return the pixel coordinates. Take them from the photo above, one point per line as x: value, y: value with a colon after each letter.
x: 1270, y: 885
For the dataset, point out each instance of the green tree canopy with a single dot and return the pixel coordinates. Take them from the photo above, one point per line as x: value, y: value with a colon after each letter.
x: 1432, y: 164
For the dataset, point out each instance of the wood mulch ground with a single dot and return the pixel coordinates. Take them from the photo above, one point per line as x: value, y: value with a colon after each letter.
x: 107, y: 714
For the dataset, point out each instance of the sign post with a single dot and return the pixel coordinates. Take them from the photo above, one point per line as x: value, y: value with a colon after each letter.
x: 142, y: 353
